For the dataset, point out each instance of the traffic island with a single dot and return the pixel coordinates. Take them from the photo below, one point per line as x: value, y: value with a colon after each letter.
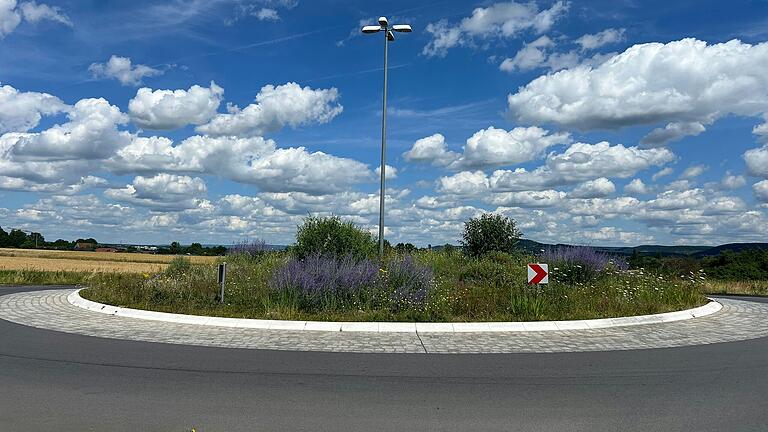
x: 52, y: 310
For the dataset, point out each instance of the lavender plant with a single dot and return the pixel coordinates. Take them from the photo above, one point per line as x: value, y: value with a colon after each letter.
x: 323, y: 280
x: 409, y: 284
x: 579, y: 264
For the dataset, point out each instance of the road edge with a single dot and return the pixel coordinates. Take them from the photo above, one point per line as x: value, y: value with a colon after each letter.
x: 712, y: 307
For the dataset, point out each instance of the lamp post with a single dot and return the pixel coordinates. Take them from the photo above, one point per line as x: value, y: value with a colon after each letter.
x: 389, y: 36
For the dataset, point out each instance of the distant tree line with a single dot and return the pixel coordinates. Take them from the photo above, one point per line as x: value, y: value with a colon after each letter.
x: 17, y: 238
x: 748, y: 264
x: 194, y: 249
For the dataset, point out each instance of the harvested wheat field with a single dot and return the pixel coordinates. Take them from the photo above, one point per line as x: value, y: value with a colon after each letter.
x: 47, y: 260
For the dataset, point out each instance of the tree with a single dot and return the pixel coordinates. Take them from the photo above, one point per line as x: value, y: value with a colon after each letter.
x: 405, y: 248
x: 332, y: 236
x: 16, y: 238
x: 195, y: 249
x: 62, y: 244
x: 3, y: 238
x: 490, y: 233
x: 175, y: 248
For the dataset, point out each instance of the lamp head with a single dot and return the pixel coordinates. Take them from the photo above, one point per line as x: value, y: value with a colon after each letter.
x: 383, y: 21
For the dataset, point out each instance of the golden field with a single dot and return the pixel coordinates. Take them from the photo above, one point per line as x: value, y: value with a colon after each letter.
x: 71, y: 261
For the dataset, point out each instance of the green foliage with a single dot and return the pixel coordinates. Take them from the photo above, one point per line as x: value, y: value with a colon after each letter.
x: 178, y: 266
x: 405, y: 248
x: 62, y: 244
x: 745, y: 265
x: 461, y: 288
x: 195, y: 249
x: 16, y: 238
x: 332, y: 236
x: 490, y: 232
x: 35, y: 277
x: 175, y: 248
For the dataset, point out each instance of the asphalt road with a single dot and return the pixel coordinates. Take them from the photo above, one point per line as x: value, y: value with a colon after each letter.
x: 52, y: 381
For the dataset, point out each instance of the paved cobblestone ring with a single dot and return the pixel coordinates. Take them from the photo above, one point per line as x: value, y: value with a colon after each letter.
x: 737, y: 320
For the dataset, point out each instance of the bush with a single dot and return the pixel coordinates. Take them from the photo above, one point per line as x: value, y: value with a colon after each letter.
x: 333, y: 237
x: 579, y: 264
x: 319, y: 281
x: 744, y: 265
x: 178, y: 266
x: 489, y: 233
x: 325, y: 283
x: 408, y: 284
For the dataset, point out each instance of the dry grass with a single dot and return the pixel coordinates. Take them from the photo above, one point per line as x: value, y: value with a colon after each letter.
x: 99, y: 256
x: 70, y: 261
x: 754, y: 288
x: 77, y: 265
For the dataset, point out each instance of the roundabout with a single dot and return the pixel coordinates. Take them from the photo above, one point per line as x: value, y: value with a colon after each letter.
x: 59, y: 372
x: 723, y: 321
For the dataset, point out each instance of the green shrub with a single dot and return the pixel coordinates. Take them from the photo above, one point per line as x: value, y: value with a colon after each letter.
x: 489, y: 233
x: 332, y: 236
x: 178, y: 266
x: 745, y: 265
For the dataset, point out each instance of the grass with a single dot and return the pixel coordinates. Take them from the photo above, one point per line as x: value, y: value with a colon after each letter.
x: 24, y: 261
x: 36, y: 277
x: 463, y: 289
x: 100, y: 256
x: 751, y: 288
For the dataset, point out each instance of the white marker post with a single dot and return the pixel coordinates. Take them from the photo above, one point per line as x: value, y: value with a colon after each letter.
x: 222, y: 277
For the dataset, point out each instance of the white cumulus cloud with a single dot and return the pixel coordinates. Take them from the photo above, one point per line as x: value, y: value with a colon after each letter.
x: 91, y: 133
x: 761, y: 190
x: 495, y: 147
x: 432, y: 150
x: 277, y: 107
x: 597, y: 40
x: 22, y: 111
x: 172, y: 109
x: 123, y: 70
x: 672, y: 132
x: 582, y: 161
x: 636, y: 187
x: 681, y: 81
x: 598, y: 188
x: 500, y: 20
x: 487, y: 148
x: 757, y: 161
x: 12, y: 14
x: 693, y: 171
x: 162, y: 192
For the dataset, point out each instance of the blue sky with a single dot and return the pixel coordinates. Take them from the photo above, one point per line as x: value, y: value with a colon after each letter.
x: 605, y: 123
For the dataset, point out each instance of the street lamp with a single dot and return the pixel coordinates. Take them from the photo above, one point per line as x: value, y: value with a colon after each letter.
x: 389, y: 36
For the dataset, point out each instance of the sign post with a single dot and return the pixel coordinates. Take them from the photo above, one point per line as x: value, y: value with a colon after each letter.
x: 222, y: 277
x: 538, y: 274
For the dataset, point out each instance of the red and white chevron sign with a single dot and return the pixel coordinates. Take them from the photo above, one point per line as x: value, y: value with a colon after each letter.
x: 538, y: 274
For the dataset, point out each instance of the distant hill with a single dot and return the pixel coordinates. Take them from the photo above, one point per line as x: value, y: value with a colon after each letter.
x: 733, y: 247
x: 533, y: 247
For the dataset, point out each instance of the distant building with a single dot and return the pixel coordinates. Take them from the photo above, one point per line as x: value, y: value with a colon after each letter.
x: 82, y: 246
x: 107, y: 249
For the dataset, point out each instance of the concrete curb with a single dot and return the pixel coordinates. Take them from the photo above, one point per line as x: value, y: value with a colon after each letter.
x: 395, y: 327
